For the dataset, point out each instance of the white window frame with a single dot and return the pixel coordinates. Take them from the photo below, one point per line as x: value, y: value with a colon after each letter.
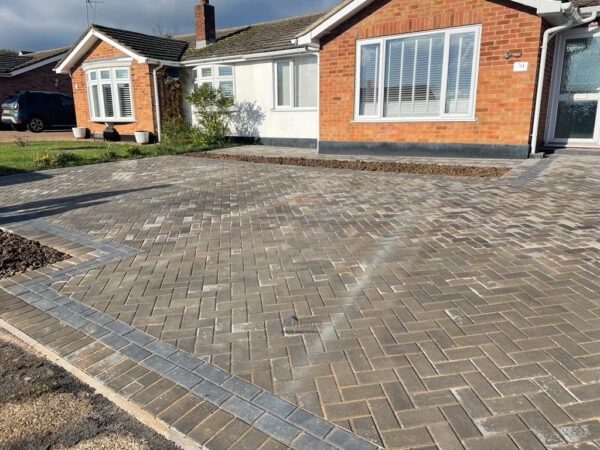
x: 113, y: 81
x: 559, y: 51
x: 215, y: 79
x: 443, y: 116
x: 291, y: 107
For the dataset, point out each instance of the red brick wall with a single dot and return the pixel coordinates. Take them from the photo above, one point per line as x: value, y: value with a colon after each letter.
x: 141, y: 85
x: 40, y: 79
x: 505, y: 99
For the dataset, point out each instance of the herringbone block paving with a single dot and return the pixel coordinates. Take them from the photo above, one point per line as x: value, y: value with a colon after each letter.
x: 413, y: 311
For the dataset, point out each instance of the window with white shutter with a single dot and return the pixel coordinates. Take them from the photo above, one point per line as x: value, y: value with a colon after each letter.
x: 297, y: 83
x: 109, y: 95
x: 418, y: 76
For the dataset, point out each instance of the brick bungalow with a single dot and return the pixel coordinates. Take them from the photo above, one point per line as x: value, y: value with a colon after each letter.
x: 32, y: 71
x: 426, y: 77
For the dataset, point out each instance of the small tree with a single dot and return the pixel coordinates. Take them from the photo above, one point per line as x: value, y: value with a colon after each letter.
x: 6, y: 51
x: 213, y: 111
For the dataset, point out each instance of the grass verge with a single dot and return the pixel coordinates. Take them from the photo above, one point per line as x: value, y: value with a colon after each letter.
x: 41, y: 154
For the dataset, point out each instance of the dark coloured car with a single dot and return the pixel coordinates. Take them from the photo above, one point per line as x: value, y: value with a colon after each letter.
x: 37, y: 111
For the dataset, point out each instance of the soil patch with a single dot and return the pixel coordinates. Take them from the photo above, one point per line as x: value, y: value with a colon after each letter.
x: 18, y: 255
x: 43, y: 406
x: 367, y: 166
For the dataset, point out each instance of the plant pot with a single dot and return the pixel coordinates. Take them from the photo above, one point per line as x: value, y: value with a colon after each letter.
x: 79, y: 132
x: 142, y: 137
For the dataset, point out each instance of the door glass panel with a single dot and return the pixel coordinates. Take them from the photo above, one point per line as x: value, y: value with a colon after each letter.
x: 575, y: 120
x: 578, y: 77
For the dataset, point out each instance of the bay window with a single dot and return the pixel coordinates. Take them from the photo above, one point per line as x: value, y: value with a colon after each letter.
x: 418, y: 76
x: 297, y: 83
x: 218, y: 77
x: 110, y: 95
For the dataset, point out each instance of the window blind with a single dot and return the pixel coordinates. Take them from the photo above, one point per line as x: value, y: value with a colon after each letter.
x: 369, y: 80
x: 107, y: 99
x: 306, y: 82
x: 125, y: 100
x: 226, y: 88
x: 225, y: 71
x: 413, y: 76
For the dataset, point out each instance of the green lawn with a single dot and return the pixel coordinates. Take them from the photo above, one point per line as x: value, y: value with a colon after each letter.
x: 14, y: 159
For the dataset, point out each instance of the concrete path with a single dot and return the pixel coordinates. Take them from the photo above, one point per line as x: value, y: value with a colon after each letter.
x: 400, y: 311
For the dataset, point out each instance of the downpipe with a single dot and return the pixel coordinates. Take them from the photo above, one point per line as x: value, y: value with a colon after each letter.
x: 157, y: 102
x: 548, y: 35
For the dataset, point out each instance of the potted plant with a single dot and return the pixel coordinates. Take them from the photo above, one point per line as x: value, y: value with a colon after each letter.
x: 79, y: 132
x: 142, y: 137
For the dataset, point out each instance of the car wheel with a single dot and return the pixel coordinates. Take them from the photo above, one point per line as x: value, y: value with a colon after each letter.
x: 36, y: 125
x: 16, y: 127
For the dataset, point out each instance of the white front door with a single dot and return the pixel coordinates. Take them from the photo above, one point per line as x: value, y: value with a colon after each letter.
x: 574, y: 113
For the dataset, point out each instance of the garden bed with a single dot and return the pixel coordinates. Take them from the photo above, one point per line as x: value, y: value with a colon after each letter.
x: 367, y: 166
x: 18, y: 255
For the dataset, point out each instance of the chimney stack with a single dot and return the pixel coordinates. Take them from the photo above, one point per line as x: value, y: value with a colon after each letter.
x: 206, y: 32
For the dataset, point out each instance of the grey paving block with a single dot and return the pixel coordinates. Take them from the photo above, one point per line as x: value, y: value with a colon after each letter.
x: 95, y: 331
x: 241, y: 388
x: 139, y: 338
x: 118, y: 327
x: 307, y: 442
x: 44, y: 304
x: 134, y: 352
x: 212, y: 373
x: 113, y: 340
x: 242, y: 409
x: 158, y: 364
x: 99, y: 318
x: 185, y: 360
x: 160, y: 348
x: 211, y: 392
x: 343, y: 439
x: 76, y: 321
x: 60, y: 312
x: 274, y: 405
x: 77, y: 307
x: 277, y: 428
x: 184, y: 377
x: 309, y: 422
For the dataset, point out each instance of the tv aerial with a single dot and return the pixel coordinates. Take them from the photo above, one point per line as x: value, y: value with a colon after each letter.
x: 90, y: 8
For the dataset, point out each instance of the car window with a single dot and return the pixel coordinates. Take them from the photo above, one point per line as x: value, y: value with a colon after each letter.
x: 33, y: 100
x: 67, y: 101
x: 51, y: 101
x: 12, y: 99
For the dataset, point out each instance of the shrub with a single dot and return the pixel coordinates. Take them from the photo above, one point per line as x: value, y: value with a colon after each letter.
x: 179, y: 133
x: 21, y: 142
x: 133, y: 151
x: 56, y: 158
x: 108, y: 154
x: 213, y: 110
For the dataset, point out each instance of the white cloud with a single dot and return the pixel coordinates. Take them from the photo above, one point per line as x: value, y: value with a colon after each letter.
x: 42, y: 24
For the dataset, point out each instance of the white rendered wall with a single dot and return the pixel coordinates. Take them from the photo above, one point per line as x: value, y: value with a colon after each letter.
x: 255, y: 105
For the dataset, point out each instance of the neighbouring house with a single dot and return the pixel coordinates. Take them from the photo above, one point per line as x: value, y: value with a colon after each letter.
x: 32, y: 71
x: 485, y: 78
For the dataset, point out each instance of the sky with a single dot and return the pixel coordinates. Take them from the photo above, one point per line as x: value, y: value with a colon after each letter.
x: 42, y: 24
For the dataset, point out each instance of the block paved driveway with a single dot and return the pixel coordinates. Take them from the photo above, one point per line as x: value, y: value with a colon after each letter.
x: 430, y: 311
